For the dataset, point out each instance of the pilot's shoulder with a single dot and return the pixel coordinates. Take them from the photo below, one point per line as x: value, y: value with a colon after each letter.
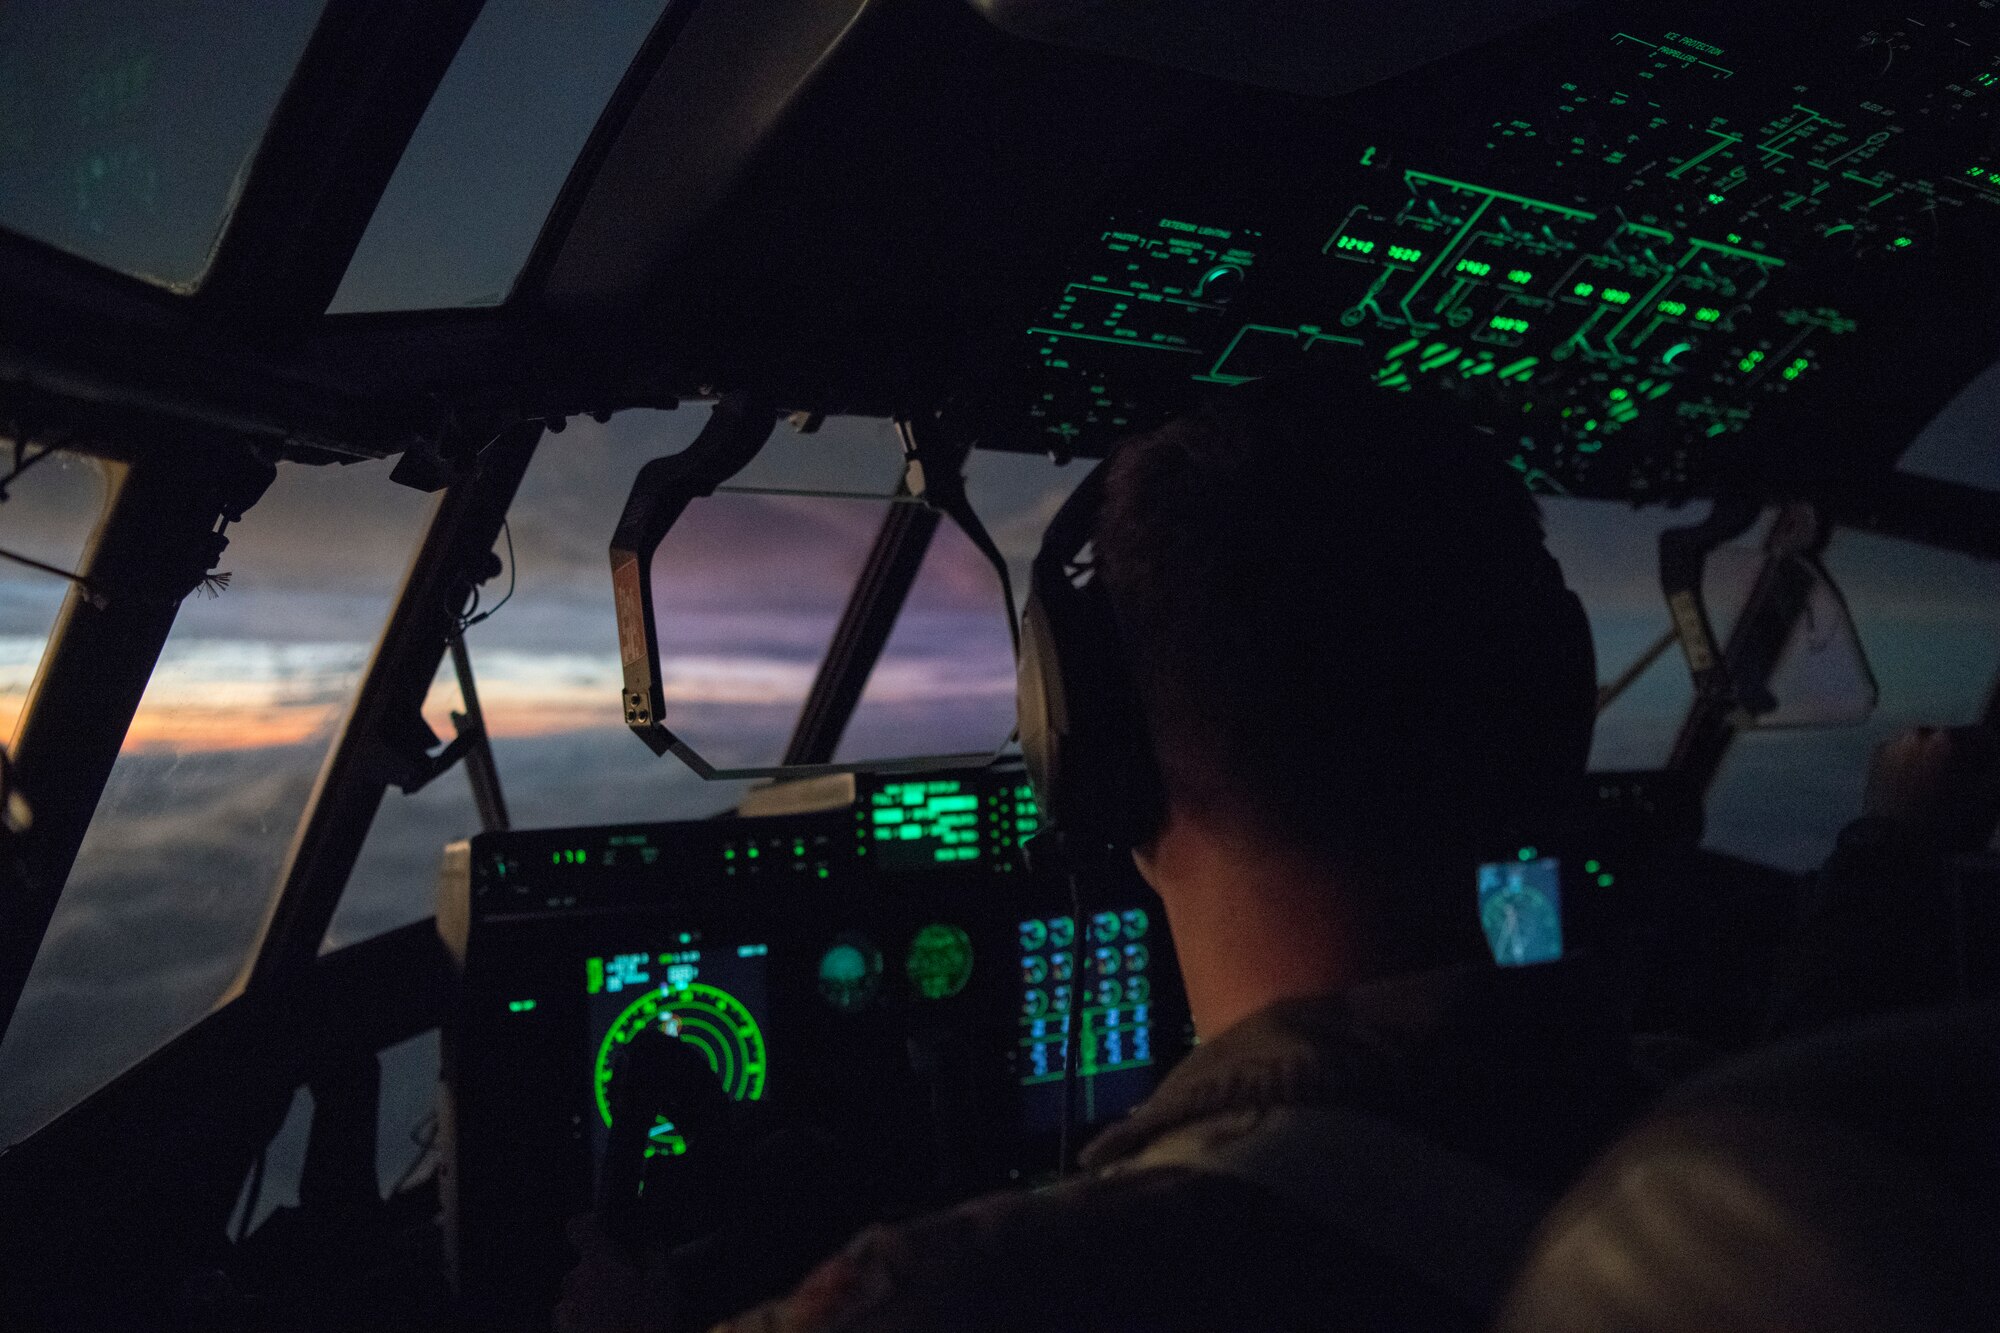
x: 1169, y: 1246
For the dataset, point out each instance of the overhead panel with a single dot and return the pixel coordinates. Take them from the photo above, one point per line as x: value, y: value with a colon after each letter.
x: 1617, y: 244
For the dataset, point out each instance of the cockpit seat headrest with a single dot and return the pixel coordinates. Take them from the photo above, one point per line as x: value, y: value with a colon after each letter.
x: 1844, y: 1182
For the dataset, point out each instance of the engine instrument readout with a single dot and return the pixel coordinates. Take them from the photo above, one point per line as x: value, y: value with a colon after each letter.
x: 1101, y: 981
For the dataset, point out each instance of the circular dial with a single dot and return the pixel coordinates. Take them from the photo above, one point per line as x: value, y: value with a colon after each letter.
x: 940, y: 961
x: 715, y: 1022
x: 850, y: 972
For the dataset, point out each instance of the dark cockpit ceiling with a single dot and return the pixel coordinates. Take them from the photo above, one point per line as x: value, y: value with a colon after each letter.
x: 1652, y: 250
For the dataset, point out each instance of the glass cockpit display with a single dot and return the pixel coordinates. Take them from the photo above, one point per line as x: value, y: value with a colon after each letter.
x: 843, y: 987
x: 713, y: 998
x: 922, y: 824
x: 1520, y: 909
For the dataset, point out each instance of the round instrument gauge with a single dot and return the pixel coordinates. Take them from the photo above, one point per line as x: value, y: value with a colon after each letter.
x: 940, y: 961
x: 715, y: 1022
x: 850, y: 972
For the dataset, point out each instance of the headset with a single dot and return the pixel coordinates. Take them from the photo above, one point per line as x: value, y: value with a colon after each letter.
x: 1083, y: 732
x: 1082, y: 728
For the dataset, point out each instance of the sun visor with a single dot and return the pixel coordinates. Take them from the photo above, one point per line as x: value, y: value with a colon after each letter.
x: 1298, y: 46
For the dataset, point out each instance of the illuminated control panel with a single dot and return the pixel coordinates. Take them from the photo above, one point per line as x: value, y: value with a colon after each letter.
x: 1100, y: 978
x: 973, y: 822
x: 861, y: 988
x: 1612, y: 249
x: 922, y: 824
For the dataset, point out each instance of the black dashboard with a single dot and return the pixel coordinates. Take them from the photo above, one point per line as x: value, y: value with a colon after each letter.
x: 889, y: 975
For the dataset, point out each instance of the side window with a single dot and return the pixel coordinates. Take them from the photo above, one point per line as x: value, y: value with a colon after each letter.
x: 48, y: 516
x: 1930, y: 622
x: 1957, y: 445
x: 1609, y: 554
x: 174, y: 876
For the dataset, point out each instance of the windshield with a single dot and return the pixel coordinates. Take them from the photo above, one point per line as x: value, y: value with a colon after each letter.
x: 176, y: 871
x: 126, y: 127
x: 1930, y: 622
x: 548, y: 679
x: 547, y: 662
x: 492, y: 152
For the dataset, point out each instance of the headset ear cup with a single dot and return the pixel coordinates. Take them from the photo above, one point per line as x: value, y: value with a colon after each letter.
x: 1579, y: 697
x: 1040, y: 706
x: 1083, y: 732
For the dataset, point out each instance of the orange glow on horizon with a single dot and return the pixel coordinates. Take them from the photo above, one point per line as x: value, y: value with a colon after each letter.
x: 190, y: 710
x: 223, y: 729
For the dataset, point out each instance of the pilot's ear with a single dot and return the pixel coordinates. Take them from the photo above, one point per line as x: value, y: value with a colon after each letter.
x: 1144, y: 858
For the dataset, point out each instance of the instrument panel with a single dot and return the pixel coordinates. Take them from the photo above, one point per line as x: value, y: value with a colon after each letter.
x: 1644, y: 249
x: 889, y: 977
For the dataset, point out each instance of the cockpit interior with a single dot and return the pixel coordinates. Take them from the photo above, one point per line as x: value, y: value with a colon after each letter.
x: 362, y: 824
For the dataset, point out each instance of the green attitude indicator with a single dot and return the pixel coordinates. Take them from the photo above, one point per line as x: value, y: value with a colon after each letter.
x: 850, y: 973
x: 715, y: 1022
x: 940, y: 961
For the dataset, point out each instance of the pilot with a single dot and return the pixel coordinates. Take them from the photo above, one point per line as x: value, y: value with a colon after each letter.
x: 1843, y: 1180
x: 1877, y: 926
x: 1314, y: 651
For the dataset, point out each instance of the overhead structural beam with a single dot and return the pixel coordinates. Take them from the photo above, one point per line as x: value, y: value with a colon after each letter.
x: 159, y: 537
x: 384, y: 740
x: 872, y: 609
x: 1777, y: 601
x: 355, y: 100
x: 934, y: 473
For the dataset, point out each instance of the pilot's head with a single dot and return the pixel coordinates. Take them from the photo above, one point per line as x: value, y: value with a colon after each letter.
x: 1348, y: 639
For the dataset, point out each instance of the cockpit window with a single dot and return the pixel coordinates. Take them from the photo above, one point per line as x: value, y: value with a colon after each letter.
x: 547, y: 673
x: 1609, y: 554
x: 1015, y: 496
x: 945, y: 681
x: 174, y: 876
x: 48, y: 517
x: 490, y: 156
x: 126, y: 126
x: 1958, y: 444
x: 547, y: 663
x: 1930, y: 622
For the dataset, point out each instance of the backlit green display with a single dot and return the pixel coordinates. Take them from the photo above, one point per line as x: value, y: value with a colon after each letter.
x: 1633, y: 250
x: 945, y: 822
x: 715, y: 1022
x: 939, y: 961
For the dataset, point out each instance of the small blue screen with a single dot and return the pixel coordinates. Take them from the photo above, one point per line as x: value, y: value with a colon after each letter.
x: 1520, y: 906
